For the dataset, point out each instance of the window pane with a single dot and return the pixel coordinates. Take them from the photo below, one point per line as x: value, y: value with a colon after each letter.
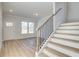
x: 24, y: 27
x: 31, y: 27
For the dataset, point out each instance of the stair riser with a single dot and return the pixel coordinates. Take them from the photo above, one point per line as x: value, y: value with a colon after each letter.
x: 68, y: 37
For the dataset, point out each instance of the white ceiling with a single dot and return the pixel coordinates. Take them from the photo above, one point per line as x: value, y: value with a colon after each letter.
x: 27, y: 9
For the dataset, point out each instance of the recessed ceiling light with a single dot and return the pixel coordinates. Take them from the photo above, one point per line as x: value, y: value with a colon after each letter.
x: 10, y: 10
x: 35, y: 14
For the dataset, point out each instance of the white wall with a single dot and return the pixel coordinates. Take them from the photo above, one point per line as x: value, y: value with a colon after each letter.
x: 15, y: 31
x: 61, y: 16
x: 0, y: 26
x: 73, y: 11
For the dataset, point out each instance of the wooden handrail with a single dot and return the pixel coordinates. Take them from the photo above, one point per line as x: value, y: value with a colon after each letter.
x: 50, y: 17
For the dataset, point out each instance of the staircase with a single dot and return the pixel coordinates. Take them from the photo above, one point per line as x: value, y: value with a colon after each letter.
x: 63, y: 43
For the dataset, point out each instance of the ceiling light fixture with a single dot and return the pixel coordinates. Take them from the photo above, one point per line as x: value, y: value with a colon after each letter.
x: 10, y: 10
x: 35, y: 14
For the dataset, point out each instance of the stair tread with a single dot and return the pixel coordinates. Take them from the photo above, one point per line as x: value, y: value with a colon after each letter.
x: 72, y: 23
x: 68, y: 31
x: 49, y: 54
x: 62, y: 50
x: 69, y: 27
x: 43, y: 55
x: 70, y: 37
x: 65, y: 42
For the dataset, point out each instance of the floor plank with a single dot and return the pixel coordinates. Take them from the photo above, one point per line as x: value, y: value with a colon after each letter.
x: 19, y: 48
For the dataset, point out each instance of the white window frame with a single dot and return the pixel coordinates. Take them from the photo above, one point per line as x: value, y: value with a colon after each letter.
x: 28, y: 29
x: 31, y: 27
x: 24, y: 28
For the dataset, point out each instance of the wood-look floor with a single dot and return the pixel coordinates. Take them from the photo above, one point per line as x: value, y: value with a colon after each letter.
x: 18, y: 48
